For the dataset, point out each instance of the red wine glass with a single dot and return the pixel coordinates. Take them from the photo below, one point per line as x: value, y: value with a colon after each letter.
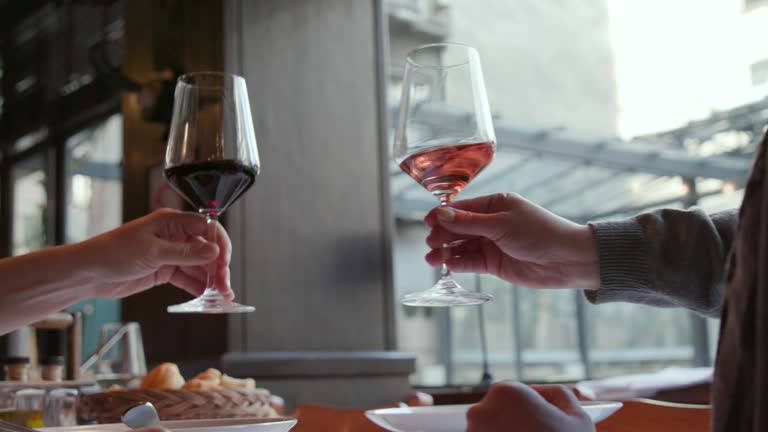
x: 211, y: 160
x: 444, y: 80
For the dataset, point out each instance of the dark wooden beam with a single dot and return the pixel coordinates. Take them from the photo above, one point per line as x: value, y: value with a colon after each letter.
x: 197, y: 45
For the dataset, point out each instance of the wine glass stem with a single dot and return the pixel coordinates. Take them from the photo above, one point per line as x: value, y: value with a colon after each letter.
x: 211, y: 220
x: 445, y: 272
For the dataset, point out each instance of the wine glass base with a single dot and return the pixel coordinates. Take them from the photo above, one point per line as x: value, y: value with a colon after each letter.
x: 210, y: 306
x: 446, y: 292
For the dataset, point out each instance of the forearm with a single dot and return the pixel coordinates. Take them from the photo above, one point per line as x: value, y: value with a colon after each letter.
x: 34, y: 285
x: 665, y: 258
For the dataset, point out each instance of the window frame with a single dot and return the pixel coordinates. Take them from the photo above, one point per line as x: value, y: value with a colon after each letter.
x: 61, y: 114
x: 53, y: 150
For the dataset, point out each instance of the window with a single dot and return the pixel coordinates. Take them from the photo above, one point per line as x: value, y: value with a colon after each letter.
x: 596, y: 118
x: 94, y: 175
x: 759, y: 72
x: 61, y: 144
x: 94, y: 204
x: 30, y: 205
x: 750, y: 5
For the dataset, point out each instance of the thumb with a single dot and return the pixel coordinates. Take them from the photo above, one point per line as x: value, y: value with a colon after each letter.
x: 196, y: 252
x: 559, y: 396
x: 491, y: 226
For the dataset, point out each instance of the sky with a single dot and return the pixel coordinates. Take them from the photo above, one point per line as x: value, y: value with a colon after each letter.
x: 680, y: 60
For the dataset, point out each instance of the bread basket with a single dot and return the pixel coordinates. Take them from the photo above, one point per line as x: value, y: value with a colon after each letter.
x: 108, y: 407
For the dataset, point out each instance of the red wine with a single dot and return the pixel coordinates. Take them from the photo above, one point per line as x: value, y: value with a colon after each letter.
x: 445, y: 171
x: 211, y: 185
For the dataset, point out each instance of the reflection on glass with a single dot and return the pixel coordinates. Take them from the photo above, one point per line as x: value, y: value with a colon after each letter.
x: 30, y: 205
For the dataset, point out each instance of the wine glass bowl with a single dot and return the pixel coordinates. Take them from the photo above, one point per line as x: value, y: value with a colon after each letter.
x: 211, y: 160
x: 446, y: 170
x: 444, y: 157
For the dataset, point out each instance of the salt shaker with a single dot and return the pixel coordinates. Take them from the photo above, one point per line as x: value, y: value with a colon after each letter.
x: 61, y: 407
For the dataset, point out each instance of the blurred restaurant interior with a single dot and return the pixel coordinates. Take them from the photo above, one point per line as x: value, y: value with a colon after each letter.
x: 602, y: 109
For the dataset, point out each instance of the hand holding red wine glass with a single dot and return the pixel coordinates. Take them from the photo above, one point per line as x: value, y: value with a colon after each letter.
x: 211, y: 160
x: 444, y: 157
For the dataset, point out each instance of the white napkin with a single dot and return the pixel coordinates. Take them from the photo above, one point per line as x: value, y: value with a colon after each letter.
x: 626, y: 387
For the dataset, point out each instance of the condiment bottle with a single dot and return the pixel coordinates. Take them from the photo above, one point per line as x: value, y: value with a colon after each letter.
x: 7, y: 404
x: 29, y: 408
x: 17, y: 369
x: 53, y: 368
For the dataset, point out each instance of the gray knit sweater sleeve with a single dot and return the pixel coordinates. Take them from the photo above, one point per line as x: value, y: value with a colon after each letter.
x: 666, y: 258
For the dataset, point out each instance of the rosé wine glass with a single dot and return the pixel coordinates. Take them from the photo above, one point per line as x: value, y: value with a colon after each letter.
x: 444, y: 80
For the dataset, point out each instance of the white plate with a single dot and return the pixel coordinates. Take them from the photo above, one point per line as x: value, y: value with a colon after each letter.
x: 453, y: 418
x: 277, y: 424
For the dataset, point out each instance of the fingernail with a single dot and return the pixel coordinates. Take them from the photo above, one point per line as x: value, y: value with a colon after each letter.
x: 446, y: 214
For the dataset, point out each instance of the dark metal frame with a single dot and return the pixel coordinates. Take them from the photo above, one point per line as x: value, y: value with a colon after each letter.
x: 388, y: 229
